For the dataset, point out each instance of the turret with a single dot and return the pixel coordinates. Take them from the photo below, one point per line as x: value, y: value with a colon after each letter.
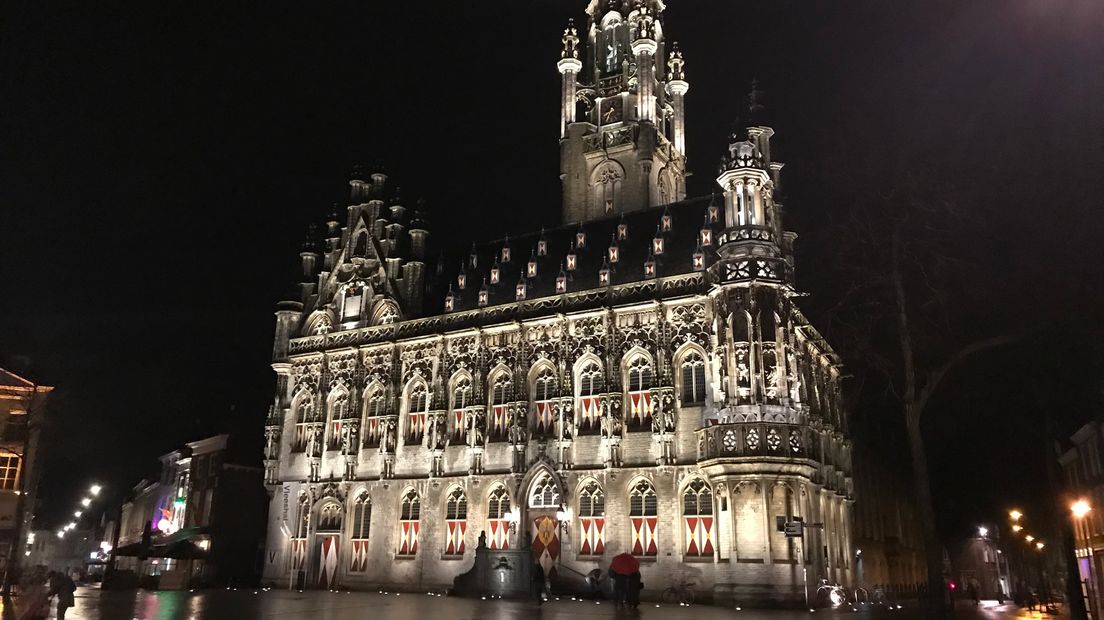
x: 569, y: 67
x: 677, y: 86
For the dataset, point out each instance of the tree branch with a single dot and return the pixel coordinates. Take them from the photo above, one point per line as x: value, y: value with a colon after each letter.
x: 936, y: 376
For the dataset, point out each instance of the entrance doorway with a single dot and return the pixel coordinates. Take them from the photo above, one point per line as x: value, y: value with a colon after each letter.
x: 546, y: 543
x: 326, y: 550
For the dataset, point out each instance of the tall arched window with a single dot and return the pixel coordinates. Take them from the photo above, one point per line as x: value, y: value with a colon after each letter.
x: 544, y: 493
x: 639, y: 381
x: 544, y: 394
x: 456, y: 522
x: 606, y: 180
x: 461, y: 398
x: 298, y: 546
x: 410, y: 511
x: 643, y: 511
x: 498, y: 528
x: 373, y: 416
x: 339, y: 406
x: 358, y: 533
x: 591, y: 383
x: 500, y: 416
x: 693, y: 379
x: 305, y: 418
x: 697, y: 515
x: 417, y: 410
x: 592, y: 519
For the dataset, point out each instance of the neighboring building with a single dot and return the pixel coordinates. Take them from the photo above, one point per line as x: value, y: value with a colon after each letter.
x: 980, y: 562
x: 638, y: 380
x: 1083, y: 467
x: 201, y: 524
x: 22, y: 405
x: 71, y: 553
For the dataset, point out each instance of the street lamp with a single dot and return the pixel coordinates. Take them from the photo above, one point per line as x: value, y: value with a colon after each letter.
x: 1039, y: 545
x: 86, y: 502
x: 1015, y: 514
x: 1029, y: 538
x: 77, y: 514
x: 983, y: 531
x: 1080, y: 508
x: 95, y: 490
x: 1017, y: 528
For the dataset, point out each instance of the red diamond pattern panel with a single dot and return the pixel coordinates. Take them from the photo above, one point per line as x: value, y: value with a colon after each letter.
x: 644, y: 538
x: 594, y: 536
x: 408, y: 537
x: 499, y: 531
x: 699, y: 536
x: 358, y: 561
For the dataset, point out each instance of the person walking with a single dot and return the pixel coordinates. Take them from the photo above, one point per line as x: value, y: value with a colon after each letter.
x: 63, y: 587
x: 538, y: 582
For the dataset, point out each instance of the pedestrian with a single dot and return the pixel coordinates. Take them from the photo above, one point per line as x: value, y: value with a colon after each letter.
x: 619, y: 583
x: 538, y: 582
x: 63, y: 587
x: 632, y: 590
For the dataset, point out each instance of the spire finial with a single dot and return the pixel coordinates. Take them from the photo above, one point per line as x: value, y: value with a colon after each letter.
x: 676, y: 64
x: 570, y: 41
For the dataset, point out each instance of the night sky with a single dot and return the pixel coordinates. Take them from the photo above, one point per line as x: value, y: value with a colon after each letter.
x: 161, y: 163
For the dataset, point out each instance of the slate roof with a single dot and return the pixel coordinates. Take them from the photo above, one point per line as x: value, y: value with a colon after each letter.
x: 680, y: 243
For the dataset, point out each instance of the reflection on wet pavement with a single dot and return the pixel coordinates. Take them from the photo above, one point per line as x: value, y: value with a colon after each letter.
x: 92, y: 604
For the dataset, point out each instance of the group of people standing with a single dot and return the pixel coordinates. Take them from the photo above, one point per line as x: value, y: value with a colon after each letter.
x: 624, y: 574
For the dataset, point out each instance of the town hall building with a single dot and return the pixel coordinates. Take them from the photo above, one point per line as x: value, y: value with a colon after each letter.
x: 638, y: 380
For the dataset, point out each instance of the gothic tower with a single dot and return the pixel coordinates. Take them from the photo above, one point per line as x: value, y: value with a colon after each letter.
x: 622, y: 130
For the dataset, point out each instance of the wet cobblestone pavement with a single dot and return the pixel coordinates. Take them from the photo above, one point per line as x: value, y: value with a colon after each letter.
x: 92, y: 604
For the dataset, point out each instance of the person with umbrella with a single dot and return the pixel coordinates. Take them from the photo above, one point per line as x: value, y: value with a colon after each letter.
x: 621, y: 568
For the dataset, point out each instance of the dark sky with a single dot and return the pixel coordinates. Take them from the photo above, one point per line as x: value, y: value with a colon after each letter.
x: 161, y: 162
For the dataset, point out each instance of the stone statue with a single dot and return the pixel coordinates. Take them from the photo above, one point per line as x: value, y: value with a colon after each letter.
x: 387, y: 442
x: 475, y: 427
x: 437, y: 432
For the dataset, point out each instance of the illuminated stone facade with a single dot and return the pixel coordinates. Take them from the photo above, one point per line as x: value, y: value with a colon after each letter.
x: 638, y: 380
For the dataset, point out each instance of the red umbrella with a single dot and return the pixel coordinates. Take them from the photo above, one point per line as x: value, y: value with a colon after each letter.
x: 625, y: 564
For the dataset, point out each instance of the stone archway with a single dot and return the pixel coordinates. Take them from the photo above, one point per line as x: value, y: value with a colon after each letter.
x: 543, y: 499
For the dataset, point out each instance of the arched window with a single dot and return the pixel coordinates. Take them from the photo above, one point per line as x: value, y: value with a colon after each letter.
x: 592, y: 519
x: 298, y: 545
x: 417, y: 410
x: 461, y: 398
x: 456, y: 522
x: 373, y: 416
x: 544, y: 493
x: 697, y: 514
x: 591, y: 383
x: 498, y: 527
x: 643, y: 510
x: 544, y: 394
x: 305, y: 418
x: 362, y: 523
x: 410, y: 511
x: 360, y: 248
x: 329, y: 518
x: 339, y: 406
x: 500, y: 416
x: 693, y: 379
x: 639, y: 381
x: 606, y: 179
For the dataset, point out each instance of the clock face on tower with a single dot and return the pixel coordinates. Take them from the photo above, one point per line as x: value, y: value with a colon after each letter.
x: 610, y: 111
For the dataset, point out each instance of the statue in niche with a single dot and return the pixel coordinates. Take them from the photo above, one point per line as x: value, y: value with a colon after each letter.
x: 475, y: 427
x: 437, y: 432
x: 388, y: 441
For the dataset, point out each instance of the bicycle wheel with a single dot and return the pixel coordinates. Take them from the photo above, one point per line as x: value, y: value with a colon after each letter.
x: 670, y: 596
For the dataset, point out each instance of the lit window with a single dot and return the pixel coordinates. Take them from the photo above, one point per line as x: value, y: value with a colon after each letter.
x: 498, y: 527
x: 350, y: 308
x: 409, y: 525
x: 592, y: 519
x: 640, y: 395
x: 329, y: 518
x: 697, y: 514
x: 544, y: 494
x: 591, y: 384
x: 461, y: 398
x: 544, y: 391
x: 500, y: 416
x: 362, y: 522
x: 643, y: 509
x: 373, y: 410
x: 693, y: 379
x: 456, y: 522
x: 9, y: 471
x: 416, y: 414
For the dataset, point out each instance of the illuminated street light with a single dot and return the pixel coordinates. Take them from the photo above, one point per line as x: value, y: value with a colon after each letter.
x: 1015, y: 514
x: 1029, y: 538
x: 1080, y: 508
x: 77, y: 514
x: 86, y: 502
x: 61, y: 533
x: 983, y: 531
x: 1039, y: 545
x: 1017, y: 528
x: 95, y: 490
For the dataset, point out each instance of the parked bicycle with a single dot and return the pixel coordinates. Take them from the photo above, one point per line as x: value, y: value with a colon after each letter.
x: 683, y: 592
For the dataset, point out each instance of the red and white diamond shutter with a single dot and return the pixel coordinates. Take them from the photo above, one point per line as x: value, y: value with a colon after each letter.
x: 461, y: 398
x: 498, y: 528
x: 640, y: 394
x: 544, y: 390
x: 358, y: 534
x: 592, y: 519
x: 456, y: 522
x: 500, y: 417
x: 697, y: 516
x: 417, y: 404
x: 409, y: 525
x: 591, y: 383
x: 643, y: 508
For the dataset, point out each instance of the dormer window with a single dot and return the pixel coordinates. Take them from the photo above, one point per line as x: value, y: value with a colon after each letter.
x: 352, y: 302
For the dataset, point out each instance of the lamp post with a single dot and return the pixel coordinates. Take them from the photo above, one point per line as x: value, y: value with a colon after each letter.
x: 1080, y: 588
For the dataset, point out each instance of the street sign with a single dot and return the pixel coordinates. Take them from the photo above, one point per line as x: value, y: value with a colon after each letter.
x: 794, y: 529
